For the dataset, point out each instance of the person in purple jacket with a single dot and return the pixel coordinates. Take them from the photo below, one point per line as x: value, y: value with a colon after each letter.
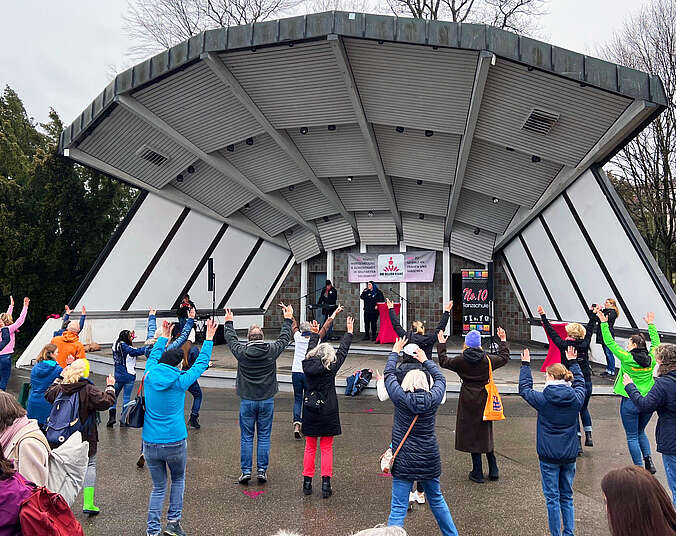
x: 8, y: 329
x: 13, y: 492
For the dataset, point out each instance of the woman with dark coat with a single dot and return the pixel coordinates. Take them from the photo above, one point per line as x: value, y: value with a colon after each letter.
x: 320, y: 424
x: 472, y: 433
x: 579, y: 338
x: 612, y: 313
x: 419, y: 458
x: 372, y: 296
x: 417, y: 333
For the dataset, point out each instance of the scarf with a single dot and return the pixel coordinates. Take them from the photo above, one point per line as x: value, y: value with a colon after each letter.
x: 557, y: 382
x: 12, y: 430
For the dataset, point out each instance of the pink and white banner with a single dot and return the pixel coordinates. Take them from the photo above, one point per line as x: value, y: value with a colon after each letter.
x: 416, y: 266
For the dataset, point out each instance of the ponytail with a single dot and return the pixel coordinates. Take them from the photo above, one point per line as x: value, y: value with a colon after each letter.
x: 568, y: 376
x: 559, y: 372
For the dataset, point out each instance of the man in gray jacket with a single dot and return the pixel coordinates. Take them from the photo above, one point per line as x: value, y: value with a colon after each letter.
x: 256, y: 387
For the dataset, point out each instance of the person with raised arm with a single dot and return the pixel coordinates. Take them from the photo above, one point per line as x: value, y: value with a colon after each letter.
x: 638, y: 363
x: 414, y: 439
x: 66, y: 320
x: 558, y: 406
x: 472, y: 433
x: 164, y: 430
x: 579, y: 338
x: 321, y: 420
x: 417, y: 335
x: 256, y: 388
x: 8, y: 329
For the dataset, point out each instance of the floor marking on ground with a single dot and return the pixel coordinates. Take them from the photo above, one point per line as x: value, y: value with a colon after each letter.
x: 252, y: 494
x: 369, y: 410
x: 386, y: 475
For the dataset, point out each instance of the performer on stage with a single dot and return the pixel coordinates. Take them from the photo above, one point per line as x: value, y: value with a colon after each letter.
x: 329, y: 298
x: 182, y: 311
x: 371, y: 295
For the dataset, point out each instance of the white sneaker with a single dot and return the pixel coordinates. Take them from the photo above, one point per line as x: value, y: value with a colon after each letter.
x: 420, y: 497
x: 412, y: 496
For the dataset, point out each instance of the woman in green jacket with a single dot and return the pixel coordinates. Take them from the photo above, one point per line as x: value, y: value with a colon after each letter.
x: 638, y: 363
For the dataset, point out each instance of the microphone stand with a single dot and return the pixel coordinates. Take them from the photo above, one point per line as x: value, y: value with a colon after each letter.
x: 400, y: 296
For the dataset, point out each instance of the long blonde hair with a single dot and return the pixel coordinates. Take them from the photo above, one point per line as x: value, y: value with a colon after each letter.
x: 73, y: 372
x: 6, y: 319
x: 613, y: 305
x: 325, y: 352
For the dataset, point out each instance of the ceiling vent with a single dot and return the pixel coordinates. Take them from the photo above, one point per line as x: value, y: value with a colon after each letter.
x: 540, y: 121
x: 151, y: 155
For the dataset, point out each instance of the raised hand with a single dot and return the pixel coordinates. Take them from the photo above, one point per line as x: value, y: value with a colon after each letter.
x: 26, y: 301
x: 525, y: 355
x: 229, y: 316
x: 191, y: 313
x: 399, y: 344
x: 350, y: 324
x: 69, y: 360
x: 212, y: 325
x: 502, y: 334
x: 626, y: 380
x: 152, y: 312
x: 68, y: 309
x: 449, y: 306
x: 602, y: 317
x: 110, y: 380
x: 442, y: 337
x: 649, y: 318
x: 84, y: 311
x: 541, y: 310
x: 571, y: 353
x: 338, y: 310
x: 166, y: 329
x: 288, y: 312
x: 389, y: 302
x: 314, y: 326
x: 420, y: 355
x: 11, y: 301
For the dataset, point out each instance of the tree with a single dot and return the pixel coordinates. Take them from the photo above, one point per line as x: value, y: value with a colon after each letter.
x: 644, y: 170
x: 55, y: 216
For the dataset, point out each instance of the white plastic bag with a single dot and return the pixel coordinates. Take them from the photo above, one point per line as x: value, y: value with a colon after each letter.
x: 67, y: 467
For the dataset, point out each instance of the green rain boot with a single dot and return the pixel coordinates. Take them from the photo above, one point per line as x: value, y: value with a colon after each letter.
x: 88, y: 503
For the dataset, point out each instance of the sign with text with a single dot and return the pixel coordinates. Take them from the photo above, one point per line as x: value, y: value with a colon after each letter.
x: 476, y: 312
x: 413, y: 267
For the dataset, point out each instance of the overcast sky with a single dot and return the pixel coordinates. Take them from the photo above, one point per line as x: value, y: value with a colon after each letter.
x: 62, y: 54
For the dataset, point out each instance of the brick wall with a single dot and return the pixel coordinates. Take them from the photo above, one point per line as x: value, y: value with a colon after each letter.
x: 425, y: 300
x: 289, y: 292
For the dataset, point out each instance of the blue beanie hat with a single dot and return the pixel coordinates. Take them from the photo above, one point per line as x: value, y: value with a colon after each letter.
x: 473, y: 339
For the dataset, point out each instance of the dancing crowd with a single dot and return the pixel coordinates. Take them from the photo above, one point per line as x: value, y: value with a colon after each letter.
x: 412, y: 380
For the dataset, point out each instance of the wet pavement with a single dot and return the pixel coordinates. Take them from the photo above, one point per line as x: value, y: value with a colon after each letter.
x: 216, y: 505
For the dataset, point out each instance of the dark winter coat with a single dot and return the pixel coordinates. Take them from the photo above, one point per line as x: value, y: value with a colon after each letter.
x: 183, y: 309
x: 370, y: 302
x: 472, y: 433
x: 257, y: 362
x: 42, y: 376
x: 419, y: 457
x: 323, y: 422
x: 91, y: 401
x: 330, y: 299
x: 661, y: 398
x: 558, y: 407
x: 581, y: 345
x: 426, y: 342
x: 612, y: 316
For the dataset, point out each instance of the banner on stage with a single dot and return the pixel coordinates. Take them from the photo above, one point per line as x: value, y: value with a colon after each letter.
x: 476, y: 312
x: 412, y: 267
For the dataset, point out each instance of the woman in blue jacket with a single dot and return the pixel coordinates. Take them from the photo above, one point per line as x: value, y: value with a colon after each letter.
x: 419, y: 458
x: 44, y: 372
x: 558, y: 406
x: 661, y: 398
x: 164, y: 430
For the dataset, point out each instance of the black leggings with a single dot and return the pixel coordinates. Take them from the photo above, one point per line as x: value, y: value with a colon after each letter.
x: 371, y: 325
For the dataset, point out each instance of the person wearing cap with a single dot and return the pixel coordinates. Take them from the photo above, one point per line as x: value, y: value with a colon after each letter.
x: 472, y: 433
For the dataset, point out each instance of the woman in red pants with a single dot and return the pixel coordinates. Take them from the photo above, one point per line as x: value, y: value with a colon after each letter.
x: 321, y: 417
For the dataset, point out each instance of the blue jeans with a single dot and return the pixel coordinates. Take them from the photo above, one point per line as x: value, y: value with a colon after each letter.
x: 5, y: 370
x: 557, y: 486
x: 610, y: 359
x: 158, y: 456
x: 255, y: 415
x: 196, y: 393
x: 298, y: 379
x: 669, y: 461
x: 128, y: 387
x: 399, y: 507
x: 584, y: 411
x: 634, y: 423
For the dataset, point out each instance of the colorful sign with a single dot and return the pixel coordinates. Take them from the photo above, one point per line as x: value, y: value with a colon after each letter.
x: 475, y: 304
x: 412, y: 267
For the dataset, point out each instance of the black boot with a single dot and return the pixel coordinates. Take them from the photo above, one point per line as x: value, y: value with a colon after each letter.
x: 326, y: 487
x: 493, y: 473
x: 588, y: 439
x: 477, y: 473
x: 307, y: 485
x: 649, y: 465
x: 579, y: 447
x: 111, y: 418
x: 194, y: 421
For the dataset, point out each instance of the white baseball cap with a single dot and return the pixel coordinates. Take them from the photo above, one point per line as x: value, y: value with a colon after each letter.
x: 411, y: 349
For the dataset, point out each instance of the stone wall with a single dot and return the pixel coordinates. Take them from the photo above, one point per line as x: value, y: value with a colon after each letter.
x: 425, y: 300
x: 289, y: 292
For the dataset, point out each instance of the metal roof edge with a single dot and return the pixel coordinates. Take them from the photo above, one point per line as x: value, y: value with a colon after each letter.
x: 571, y: 65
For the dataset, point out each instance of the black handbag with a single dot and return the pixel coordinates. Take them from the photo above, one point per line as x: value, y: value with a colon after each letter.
x: 314, y: 400
x: 134, y: 412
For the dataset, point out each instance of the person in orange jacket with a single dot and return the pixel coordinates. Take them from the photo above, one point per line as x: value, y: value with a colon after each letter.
x: 69, y: 344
